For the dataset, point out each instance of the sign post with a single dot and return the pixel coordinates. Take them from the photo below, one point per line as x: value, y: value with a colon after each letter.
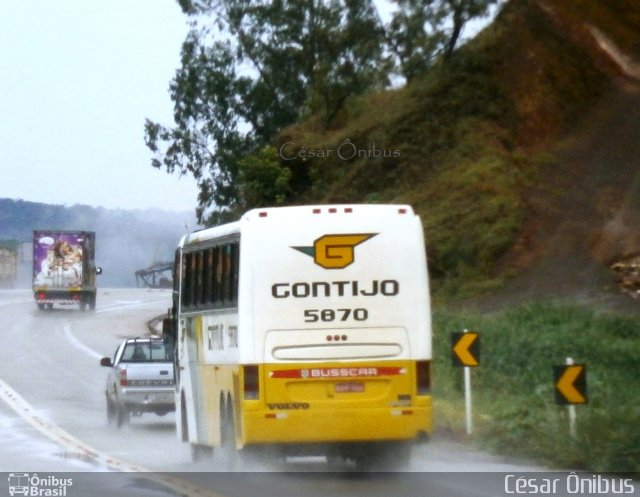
x: 571, y: 389
x: 465, y: 352
x: 467, y: 400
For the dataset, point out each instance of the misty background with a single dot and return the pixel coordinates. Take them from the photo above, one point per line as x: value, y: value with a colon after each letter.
x: 126, y: 240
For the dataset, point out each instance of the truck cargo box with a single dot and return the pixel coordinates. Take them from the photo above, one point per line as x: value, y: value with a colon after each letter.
x: 64, y: 268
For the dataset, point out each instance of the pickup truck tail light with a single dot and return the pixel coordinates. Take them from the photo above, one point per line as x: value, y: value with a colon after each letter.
x: 251, y: 382
x: 423, y: 377
x: 123, y: 378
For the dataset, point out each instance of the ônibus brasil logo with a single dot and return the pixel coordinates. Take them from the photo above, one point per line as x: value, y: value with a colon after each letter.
x: 40, y: 486
x: 335, y: 251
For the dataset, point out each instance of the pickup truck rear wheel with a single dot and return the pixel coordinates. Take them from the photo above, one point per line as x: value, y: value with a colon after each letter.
x: 228, y: 435
x: 124, y: 416
x: 112, y: 411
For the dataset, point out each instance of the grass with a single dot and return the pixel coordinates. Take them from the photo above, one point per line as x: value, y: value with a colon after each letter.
x: 515, y: 410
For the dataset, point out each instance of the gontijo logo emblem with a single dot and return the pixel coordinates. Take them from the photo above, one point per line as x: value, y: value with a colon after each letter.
x: 335, y: 251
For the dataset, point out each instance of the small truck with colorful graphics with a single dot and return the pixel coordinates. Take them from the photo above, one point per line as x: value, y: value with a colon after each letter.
x: 64, y: 270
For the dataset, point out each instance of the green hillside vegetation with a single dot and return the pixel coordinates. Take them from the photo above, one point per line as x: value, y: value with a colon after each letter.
x: 514, y: 408
x: 462, y: 144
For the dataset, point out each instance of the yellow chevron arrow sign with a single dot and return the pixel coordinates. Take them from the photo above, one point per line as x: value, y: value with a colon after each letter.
x: 571, y: 384
x: 465, y: 347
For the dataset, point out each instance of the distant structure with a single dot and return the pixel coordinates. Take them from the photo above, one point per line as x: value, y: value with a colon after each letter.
x: 9, y: 259
x: 158, y: 275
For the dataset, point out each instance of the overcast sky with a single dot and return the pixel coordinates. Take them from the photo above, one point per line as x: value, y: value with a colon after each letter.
x: 77, y: 80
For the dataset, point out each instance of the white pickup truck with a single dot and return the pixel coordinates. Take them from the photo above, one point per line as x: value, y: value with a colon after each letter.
x: 140, y: 379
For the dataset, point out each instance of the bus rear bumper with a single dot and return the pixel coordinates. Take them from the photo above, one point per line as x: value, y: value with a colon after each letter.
x: 340, y: 425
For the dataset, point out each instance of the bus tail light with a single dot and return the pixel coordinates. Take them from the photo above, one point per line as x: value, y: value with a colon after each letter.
x: 123, y: 378
x: 423, y: 377
x: 251, y: 382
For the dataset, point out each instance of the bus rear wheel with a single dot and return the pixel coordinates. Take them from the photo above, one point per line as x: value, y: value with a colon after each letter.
x: 184, y: 427
x: 228, y: 434
x: 201, y: 452
x: 112, y: 411
x: 198, y: 452
x: 380, y: 456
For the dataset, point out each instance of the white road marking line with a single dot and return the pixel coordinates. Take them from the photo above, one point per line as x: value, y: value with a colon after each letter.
x: 79, y: 345
x: 86, y: 452
x: 13, y: 433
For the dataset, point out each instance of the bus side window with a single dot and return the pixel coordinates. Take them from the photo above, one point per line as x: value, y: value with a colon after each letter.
x: 187, y: 286
x: 217, y: 275
x: 177, y: 271
x: 226, y: 275
x: 207, y: 271
x: 210, y: 277
x: 198, y: 300
x: 235, y: 270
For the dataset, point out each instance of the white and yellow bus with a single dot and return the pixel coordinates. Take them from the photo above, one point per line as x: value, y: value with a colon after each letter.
x: 305, y: 328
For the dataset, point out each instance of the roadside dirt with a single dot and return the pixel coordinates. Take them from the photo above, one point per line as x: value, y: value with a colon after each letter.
x: 584, y: 215
x: 581, y: 238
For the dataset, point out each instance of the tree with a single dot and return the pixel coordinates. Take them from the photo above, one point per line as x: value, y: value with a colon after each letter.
x: 249, y: 69
x: 460, y: 12
x: 206, y: 140
x: 421, y: 31
x: 264, y: 179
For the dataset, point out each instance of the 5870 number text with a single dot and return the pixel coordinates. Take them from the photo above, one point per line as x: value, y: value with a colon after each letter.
x: 329, y: 315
